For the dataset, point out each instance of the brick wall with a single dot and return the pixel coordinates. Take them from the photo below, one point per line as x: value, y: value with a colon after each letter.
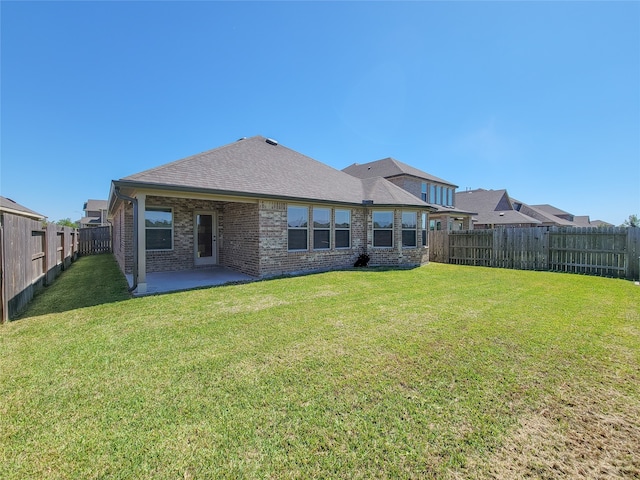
x: 275, y: 259
x: 181, y: 257
x: 396, y: 255
x: 239, y: 242
x: 252, y: 238
x: 410, y: 184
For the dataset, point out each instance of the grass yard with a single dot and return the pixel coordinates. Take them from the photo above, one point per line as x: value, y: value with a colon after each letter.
x: 437, y: 372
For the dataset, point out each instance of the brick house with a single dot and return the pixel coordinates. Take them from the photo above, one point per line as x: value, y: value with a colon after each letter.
x: 439, y: 193
x: 262, y: 209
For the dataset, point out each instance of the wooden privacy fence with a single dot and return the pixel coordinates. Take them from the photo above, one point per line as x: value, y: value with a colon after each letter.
x: 31, y: 256
x: 95, y: 240
x: 609, y: 252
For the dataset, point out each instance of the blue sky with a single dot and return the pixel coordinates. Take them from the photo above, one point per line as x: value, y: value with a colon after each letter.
x: 540, y: 98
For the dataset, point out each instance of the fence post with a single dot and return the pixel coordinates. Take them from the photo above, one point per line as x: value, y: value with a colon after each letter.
x: 633, y: 252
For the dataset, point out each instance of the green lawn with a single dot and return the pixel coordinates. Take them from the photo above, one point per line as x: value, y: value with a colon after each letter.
x: 437, y: 372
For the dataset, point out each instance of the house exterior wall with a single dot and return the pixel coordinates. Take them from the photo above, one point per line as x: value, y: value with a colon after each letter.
x: 181, y: 257
x: 253, y: 238
x: 396, y: 255
x: 275, y: 259
x: 410, y: 184
x: 123, y: 237
x: 239, y: 238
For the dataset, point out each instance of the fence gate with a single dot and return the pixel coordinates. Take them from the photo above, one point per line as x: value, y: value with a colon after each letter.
x: 95, y: 240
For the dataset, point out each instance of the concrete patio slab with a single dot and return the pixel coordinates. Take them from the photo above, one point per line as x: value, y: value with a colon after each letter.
x: 163, y: 282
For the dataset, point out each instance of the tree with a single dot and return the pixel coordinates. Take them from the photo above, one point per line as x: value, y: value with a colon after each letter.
x: 632, y: 221
x: 66, y: 222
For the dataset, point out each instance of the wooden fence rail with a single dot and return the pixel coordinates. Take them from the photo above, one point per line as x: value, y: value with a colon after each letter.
x: 609, y: 252
x: 95, y: 240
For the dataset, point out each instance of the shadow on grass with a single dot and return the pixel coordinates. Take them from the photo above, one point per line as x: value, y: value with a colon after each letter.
x: 89, y: 281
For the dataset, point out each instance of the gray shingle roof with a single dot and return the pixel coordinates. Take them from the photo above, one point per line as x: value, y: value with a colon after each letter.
x: 255, y: 167
x: 95, y: 205
x: 481, y: 200
x: 390, y: 167
x: 8, y: 205
x: 504, y: 217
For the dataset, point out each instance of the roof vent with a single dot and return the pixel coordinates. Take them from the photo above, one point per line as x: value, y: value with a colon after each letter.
x: 271, y: 141
x: 242, y: 138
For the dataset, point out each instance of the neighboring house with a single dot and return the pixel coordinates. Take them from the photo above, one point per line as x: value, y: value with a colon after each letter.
x: 495, y: 209
x: 546, y: 216
x: 95, y: 214
x: 262, y: 209
x: 437, y: 192
x: 17, y: 263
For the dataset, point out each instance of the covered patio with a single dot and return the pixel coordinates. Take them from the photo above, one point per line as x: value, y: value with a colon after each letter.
x: 164, y: 282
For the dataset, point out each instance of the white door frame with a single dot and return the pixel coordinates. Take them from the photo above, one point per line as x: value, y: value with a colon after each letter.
x: 213, y: 259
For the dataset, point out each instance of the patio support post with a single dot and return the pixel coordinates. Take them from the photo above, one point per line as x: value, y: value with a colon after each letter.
x: 142, y: 244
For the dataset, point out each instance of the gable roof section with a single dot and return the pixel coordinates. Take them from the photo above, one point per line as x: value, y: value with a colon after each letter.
x: 544, y: 216
x: 9, y: 206
x: 390, y: 167
x: 550, y: 209
x: 482, y: 200
x: 504, y: 217
x: 258, y: 167
x: 95, y: 205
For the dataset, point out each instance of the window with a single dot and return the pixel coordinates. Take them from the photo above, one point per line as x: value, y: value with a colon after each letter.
x: 159, y: 228
x: 321, y: 228
x: 383, y: 229
x: 342, y: 228
x: 409, y: 229
x: 425, y: 239
x: 432, y: 193
x: 424, y: 192
x: 450, y: 197
x: 297, y: 223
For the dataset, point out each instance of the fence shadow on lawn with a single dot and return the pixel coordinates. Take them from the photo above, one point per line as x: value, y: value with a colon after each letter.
x: 89, y: 281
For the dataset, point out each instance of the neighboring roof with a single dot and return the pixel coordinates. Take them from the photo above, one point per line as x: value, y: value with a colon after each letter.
x: 95, y: 205
x: 551, y: 210
x: 90, y: 221
x: 494, y: 207
x: 504, y: 217
x: 260, y: 167
x: 10, y: 206
x: 582, y: 221
x: 545, y: 216
x: 481, y: 200
x: 600, y: 223
x: 390, y: 167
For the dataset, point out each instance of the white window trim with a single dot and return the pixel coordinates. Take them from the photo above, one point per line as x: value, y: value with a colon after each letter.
x: 313, y: 228
x: 342, y: 229
x: 373, y: 229
x: 306, y: 249
x: 415, y: 229
x: 173, y: 221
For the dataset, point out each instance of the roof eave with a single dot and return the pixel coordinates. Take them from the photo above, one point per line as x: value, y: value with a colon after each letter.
x: 137, y: 185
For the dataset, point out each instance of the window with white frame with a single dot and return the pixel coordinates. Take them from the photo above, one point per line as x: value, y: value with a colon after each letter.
x: 383, y: 229
x: 321, y: 228
x: 297, y: 227
x: 158, y: 223
x: 425, y: 239
x: 409, y: 229
x: 342, y: 225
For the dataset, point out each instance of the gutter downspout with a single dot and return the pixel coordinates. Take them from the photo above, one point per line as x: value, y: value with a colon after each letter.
x: 134, y: 202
